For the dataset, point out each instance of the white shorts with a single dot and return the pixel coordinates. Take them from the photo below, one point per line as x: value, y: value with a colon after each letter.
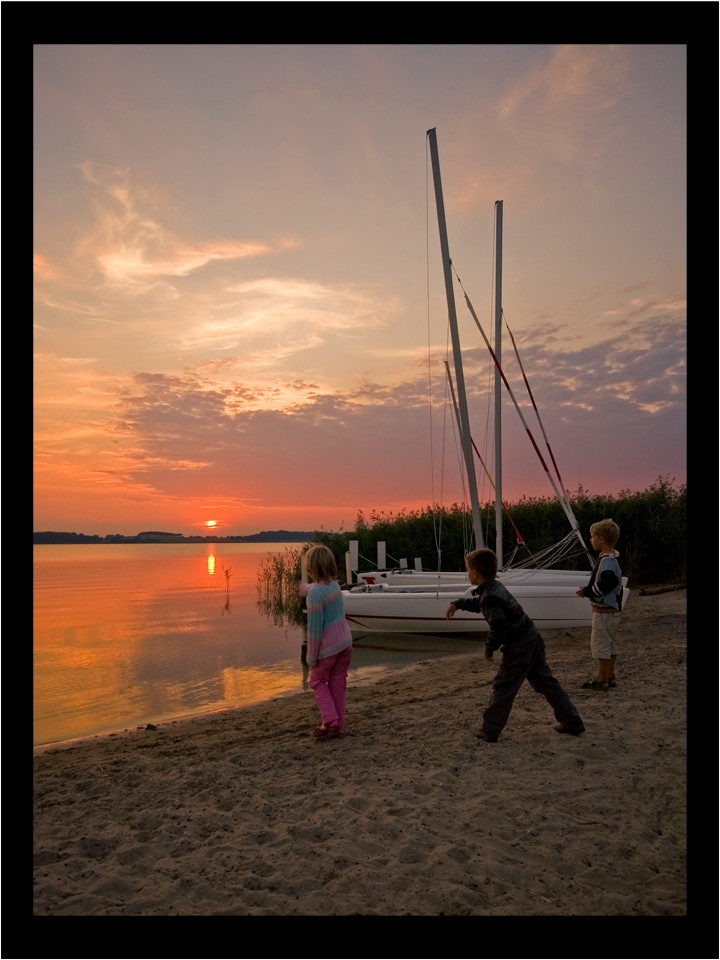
x: 603, y: 634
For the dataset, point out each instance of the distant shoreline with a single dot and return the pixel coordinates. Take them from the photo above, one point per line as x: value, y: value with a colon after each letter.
x: 267, y: 536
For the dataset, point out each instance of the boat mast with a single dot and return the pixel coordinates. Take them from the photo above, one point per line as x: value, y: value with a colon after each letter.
x: 498, y: 384
x: 452, y: 317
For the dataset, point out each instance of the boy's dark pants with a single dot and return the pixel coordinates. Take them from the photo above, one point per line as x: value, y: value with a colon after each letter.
x: 526, y: 661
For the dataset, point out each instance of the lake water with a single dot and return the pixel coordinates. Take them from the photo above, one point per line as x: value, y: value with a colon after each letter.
x: 131, y: 634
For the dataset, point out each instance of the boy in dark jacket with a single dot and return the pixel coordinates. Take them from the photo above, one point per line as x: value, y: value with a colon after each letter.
x: 521, y: 645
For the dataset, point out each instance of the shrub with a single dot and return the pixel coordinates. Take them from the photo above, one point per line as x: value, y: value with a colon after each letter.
x: 652, y: 546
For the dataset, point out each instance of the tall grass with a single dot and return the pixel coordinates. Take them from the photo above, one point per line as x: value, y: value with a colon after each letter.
x: 278, y: 579
x: 652, y: 545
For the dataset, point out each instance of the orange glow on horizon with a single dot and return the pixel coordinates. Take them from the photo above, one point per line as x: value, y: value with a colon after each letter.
x: 211, y: 523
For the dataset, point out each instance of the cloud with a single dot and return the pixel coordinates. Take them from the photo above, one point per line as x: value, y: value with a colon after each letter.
x: 273, y: 318
x: 182, y: 308
x: 641, y: 360
x: 42, y: 268
x: 382, y: 435
x: 132, y: 249
x: 563, y: 105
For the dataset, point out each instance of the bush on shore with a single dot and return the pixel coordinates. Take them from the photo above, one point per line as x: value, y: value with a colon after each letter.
x: 652, y: 545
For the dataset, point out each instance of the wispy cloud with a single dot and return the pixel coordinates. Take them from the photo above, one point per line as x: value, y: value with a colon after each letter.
x: 132, y: 249
x: 274, y: 318
x: 270, y: 318
x: 563, y: 105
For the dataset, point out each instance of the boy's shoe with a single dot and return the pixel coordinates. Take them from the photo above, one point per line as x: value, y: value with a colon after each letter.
x: 573, y: 731
x: 596, y: 685
x: 612, y: 682
x: 486, y: 737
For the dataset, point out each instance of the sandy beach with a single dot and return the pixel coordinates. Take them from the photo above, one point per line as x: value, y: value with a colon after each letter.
x: 244, y: 813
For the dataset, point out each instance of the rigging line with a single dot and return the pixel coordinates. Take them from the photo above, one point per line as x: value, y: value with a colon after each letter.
x: 532, y: 400
x: 479, y: 456
x: 563, y: 500
x: 562, y: 495
x: 437, y: 523
x: 552, y: 556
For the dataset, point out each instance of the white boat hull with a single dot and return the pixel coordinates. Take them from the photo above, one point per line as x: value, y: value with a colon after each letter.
x: 384, y: 609
x: 403, y: 578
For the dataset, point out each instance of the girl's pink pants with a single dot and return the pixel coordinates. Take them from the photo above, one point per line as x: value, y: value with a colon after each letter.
x: 328, y: 681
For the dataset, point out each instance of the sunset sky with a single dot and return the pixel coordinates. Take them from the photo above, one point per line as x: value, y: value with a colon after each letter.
x: 239, y: 306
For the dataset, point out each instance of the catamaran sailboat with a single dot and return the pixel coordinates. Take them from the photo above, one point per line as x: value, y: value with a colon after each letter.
x: 413, y: 601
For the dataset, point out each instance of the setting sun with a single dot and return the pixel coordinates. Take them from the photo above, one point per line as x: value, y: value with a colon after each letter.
x: 211, y: 523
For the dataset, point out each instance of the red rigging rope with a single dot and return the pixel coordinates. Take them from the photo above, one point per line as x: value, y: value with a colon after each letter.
x: 532, y: 400
x: 560, y: 495
x: 518, y: 535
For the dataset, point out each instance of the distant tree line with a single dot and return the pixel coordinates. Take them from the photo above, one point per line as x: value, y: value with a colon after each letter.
x: 52, y: 536
x: 157, y: 536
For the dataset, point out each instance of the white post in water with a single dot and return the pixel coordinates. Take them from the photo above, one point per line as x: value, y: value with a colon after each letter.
x: 354, y: 554
x: 498, y: 383
x: 418, y: 564
x: 381, y: 555
x: 465, y: 438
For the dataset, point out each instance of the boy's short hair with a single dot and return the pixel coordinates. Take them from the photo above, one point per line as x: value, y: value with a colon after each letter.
x: 607, y: 529
x: 483, y: 561
x: 321, y: 563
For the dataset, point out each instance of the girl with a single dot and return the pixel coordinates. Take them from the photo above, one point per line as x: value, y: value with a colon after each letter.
x: 329, y: 642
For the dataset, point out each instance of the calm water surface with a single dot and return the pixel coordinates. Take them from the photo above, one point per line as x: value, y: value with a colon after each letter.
x: 130, y: 634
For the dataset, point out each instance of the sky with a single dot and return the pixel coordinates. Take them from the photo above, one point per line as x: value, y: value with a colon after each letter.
x: 240, y: 321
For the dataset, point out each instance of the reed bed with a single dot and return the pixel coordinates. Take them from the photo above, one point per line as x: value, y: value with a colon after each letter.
x: 278, y: 581
x: 653, y: 532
